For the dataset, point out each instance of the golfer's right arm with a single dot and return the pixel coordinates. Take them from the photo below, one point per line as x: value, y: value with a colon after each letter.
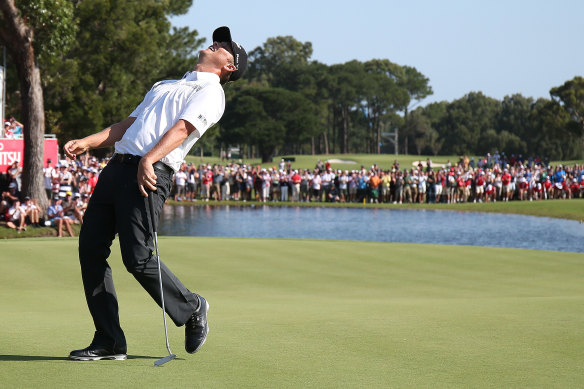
x: 104, y: 138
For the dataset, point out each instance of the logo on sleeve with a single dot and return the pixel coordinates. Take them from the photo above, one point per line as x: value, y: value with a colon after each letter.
x: 203, y: 119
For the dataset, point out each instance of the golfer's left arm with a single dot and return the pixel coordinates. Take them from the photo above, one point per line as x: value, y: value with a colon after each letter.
x: 173, y: 138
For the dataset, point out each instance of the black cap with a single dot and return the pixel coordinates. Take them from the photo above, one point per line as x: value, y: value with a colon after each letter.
x: 222, y: 34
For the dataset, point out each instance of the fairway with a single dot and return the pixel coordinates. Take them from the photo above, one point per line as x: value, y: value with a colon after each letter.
x: 306, y: 313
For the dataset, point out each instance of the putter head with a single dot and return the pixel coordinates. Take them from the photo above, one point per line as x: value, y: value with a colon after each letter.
x: 162, y: 361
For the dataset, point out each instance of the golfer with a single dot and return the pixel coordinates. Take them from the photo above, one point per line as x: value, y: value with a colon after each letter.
x: 150, y: 146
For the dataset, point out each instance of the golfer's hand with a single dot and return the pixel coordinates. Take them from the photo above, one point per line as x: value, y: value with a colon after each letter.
x: 75, y: 147
x: 146, y: 177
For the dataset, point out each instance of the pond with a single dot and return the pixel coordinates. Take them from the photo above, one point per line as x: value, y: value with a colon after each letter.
x: 381, y: 225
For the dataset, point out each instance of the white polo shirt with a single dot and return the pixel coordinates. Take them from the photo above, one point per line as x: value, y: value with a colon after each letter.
x: 197, y: 98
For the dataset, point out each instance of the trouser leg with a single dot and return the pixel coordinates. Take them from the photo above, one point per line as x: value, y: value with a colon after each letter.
x: 137, y: 245
x: 97, y: 234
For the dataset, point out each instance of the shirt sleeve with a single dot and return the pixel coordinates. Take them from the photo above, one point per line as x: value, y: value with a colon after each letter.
x: 204, y: 108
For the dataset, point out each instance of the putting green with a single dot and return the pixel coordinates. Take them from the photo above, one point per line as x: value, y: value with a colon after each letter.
x: 307, y: 313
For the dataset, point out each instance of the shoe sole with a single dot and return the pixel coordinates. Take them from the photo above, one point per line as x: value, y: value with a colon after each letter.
x: 206, y: 332
x: 113, y: 357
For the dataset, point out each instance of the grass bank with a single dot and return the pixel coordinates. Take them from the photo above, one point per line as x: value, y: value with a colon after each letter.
x: 352, y: 161
x: 308, y: 314
x: 562, y: 209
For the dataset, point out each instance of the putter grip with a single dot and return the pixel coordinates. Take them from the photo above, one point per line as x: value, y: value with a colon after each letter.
x: 152, y: 215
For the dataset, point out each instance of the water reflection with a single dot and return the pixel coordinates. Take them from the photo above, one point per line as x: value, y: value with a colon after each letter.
x: 383, y: 225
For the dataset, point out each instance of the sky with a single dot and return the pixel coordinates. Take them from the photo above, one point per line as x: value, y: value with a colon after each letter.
x: 497, y: 47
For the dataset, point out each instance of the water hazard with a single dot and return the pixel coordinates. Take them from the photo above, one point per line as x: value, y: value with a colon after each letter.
x: 381, y: 225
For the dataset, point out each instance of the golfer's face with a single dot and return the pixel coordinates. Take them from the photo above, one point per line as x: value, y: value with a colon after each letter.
x: 219, y: 51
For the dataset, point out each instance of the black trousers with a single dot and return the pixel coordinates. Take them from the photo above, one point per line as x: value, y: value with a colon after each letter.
x: 117, y: 206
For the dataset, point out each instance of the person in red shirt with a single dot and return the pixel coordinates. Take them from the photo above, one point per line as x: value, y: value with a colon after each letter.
x: 480, y: 186
x: 506, y: 181
x: 574, y: 188
x: 296, y: 180
x: 206, y: 182
x: 468, y: 186
x: 92, y: 181
x: 461, y: 187
x: 547, y: 187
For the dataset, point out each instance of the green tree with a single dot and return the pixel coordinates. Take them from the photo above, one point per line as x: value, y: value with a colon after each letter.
x: 122, y: 49
x: 266, y: 62
x: 383, y: 97
x: 312, y: 81
x: 464, y: 122
x: 422, y: 131
x: 34, y: 33
x: 570, y: 96
x: 553, y: 139
x: 514, y: 125
x: 268, y: 119
x: 346, y: 91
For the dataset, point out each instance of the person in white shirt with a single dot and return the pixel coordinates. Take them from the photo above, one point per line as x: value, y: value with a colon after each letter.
x: 48, y: 173
x: 16, y: 216
x: 316, y: 184
x: 150, y: 145
x: 180, y: 182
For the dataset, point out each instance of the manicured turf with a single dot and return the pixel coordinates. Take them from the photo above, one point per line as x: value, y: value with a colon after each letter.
x: 353, y: 161
x: 296, y: 314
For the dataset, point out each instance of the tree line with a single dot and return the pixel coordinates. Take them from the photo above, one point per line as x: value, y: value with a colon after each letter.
x: 292, y: 105
x: 75, y: 67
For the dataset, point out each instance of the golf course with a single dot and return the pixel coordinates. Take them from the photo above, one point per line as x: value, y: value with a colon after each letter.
x: 306, y: 314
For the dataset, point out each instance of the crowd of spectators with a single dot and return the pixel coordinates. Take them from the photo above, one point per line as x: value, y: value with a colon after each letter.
x: 490, y: 179
x: 68, y: 185
x: 12, y: 129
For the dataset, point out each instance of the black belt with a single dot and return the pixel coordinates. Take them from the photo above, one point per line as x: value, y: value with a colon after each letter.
x: 135, y: 159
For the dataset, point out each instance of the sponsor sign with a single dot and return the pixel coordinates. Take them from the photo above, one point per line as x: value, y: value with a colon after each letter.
x: 13, y: 150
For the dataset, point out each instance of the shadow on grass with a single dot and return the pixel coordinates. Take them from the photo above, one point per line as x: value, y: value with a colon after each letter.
x: 33, y: 358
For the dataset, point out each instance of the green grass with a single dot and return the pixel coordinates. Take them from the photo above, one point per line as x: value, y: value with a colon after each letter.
x: 309, y: 161
x: 562, y: 209
x: 299, y: 314
x: 385, y: 161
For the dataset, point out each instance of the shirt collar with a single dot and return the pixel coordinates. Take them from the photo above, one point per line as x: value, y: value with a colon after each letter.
x: 200, y: 76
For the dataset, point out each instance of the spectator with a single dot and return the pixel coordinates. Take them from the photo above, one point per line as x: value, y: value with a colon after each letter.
x: 284, y: 185
x: 58, y: 218
x: 266, y: 183
x: 13, y: 173
x: 305, y: 183
x: 275, y: 184
x: 316, y: 185
x: 180, y: 183
x: 431, y: 186
x: 16, y: 217
x: 192, y: 178
x: 16, y: 127
x: 207, y: 179
x: 7, y: 132
x: 32, y: 212
x: 326, y: 181
x: 295, y: 182
x: 48, y: 173
x: 225, y: 185
x: 374, y: 182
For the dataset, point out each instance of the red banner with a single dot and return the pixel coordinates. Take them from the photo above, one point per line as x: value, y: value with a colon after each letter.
x: 13, y: 150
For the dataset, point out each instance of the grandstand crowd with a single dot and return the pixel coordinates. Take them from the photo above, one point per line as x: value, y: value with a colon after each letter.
x: 490, y: 179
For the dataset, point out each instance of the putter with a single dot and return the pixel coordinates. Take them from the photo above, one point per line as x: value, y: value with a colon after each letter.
x: 170, y: 355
